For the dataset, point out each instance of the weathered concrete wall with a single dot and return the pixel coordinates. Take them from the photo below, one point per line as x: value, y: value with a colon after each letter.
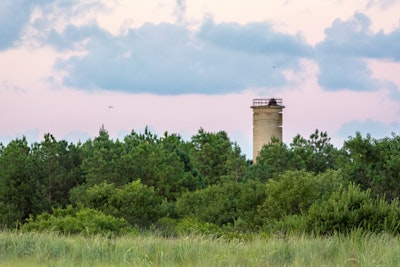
x: 267, y: 122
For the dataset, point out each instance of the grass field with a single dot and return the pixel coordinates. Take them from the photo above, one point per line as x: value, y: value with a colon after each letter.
x: 41, y: 249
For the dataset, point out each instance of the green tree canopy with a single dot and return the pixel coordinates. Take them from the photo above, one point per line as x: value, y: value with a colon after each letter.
x: 373, y: 164
x: 315, y: 154
x: 22, y: 186
x: 215, y: 156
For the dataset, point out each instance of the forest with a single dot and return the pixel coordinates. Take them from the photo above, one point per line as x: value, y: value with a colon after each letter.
x: 203, y: 185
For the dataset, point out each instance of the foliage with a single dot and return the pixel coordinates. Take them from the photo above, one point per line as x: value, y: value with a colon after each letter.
x: 162, y: 163
x: 164, y: 182
x: 103, y: 161
x: 275, y: 157
x: 224, y: 203
x: 346, y: 209
x: 35, y: 179
x: 10, y: 215
x: 59, y: 165
x: 215, y: 156
x: 373, y: 164
x: 293, y: 192
x: 22, y: 187
x: 76, y: 221
x: 138, y: 204
x: 315, y: 154
x: 350, y: 208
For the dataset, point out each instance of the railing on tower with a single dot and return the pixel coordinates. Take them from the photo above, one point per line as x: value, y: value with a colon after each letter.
x: 267, y: 102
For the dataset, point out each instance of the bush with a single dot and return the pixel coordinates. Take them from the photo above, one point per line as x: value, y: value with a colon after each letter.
x: 137, y: 203
x: 76, y: 221
x: 350, y: 208
x: 295, y: 191
x: 223, y: 204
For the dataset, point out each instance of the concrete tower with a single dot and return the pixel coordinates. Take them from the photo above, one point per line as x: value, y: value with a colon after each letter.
x: 267, y: 122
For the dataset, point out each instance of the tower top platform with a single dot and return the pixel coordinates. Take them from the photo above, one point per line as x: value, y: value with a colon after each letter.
x: 267, y: 102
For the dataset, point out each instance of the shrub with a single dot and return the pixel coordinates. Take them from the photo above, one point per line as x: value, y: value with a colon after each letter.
x: 223, y: 204
x: 350, y: 208
x: 76, y: 221
x: 293, y: 192
x: 137, y: 203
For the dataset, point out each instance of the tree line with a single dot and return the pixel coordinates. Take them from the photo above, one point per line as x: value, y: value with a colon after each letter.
x: 204, y: 184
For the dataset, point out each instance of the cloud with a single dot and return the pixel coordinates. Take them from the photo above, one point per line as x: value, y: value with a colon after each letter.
x: 384, y: 4
x: 180, y: 10
x: 342, y: 55
x: 216, y: 58
x: 353, y: 38
x: 345, y: 73
x: 17, y: 17
x: 171, y: 59
x: 375, y: 128
x: 14, y: 15
x: 73, y: 37
x: 255, y: 38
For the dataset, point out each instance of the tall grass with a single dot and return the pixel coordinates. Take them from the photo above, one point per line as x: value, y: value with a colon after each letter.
x: 47, y: 249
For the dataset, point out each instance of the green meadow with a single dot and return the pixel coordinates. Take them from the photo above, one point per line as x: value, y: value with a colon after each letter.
x: 50, y: 249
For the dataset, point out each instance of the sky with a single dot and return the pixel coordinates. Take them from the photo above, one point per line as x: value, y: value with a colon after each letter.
x: 67, y: 67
